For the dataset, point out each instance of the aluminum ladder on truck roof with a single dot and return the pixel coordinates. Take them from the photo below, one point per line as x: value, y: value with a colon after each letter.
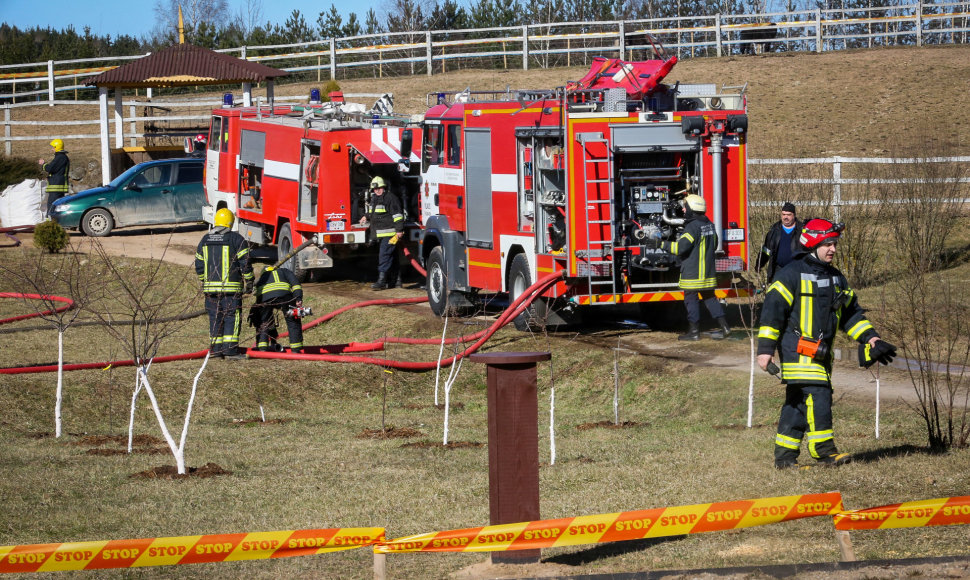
x: 597, y: 261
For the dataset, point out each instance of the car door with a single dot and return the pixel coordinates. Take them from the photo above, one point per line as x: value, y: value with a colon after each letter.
x: 147, y: 198
x: 189, y: 195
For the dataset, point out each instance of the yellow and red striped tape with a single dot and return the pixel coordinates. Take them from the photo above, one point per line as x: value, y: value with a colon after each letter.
x: 945, y: 511
x: 183, y: 549
x: 633, y: 525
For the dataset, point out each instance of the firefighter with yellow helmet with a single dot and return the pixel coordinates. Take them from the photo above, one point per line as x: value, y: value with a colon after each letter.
x: 277, y: 289
x: 385, y: 217
x: 222, y: 263
x: 695, y: 247
x: 806, y: 304
x: 57, y: 170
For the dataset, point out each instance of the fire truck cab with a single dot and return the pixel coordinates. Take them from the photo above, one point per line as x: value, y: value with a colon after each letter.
x: 302, y: 172
x: 580, y: 180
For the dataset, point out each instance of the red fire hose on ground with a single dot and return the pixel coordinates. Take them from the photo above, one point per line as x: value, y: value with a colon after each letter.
x: 67, y: 304
x: 327, y: 353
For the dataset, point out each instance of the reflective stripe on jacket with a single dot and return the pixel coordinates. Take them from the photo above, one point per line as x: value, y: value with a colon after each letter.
x: 386, y: 216
x: 799, y: 303
x: 277, y: 286
x: 222, y: 262
x: 695, y: 247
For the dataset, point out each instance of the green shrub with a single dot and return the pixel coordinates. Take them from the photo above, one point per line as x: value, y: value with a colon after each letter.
x: 328, y: 87
x: 50, y: 236
x: 17, y: 169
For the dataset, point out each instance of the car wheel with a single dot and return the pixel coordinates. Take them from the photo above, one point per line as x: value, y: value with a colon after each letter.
x: 520, y: 278
x: 284, y: 245
x: 437, y: 282
x: 97, y: 223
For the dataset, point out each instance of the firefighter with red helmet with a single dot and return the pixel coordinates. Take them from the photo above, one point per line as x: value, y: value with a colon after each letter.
x: 695, y: 247
x: 385, y: 217
x: 277, y: 289
x: 222, y: 263
x: 806, y: 304
x: 198, y: 147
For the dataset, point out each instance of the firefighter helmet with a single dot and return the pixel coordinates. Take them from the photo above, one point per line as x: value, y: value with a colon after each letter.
x: 224, y: 218
x: 377, y: 182
x: 58, y: 145
x: 200, y: 138
x: 696, y: 203
x: 818, y: 230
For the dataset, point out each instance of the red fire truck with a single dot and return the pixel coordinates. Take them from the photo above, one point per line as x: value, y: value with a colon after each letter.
x: 578, y: 180
x: 301, y: 172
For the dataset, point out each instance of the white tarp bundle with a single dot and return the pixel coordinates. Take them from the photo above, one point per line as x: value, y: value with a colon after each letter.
x: 22, y: 204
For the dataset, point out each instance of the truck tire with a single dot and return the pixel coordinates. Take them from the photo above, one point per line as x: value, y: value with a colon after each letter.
x: 97, y: 223
x: 437, y: 282
x: 520, y: 278
x: 284, y: 245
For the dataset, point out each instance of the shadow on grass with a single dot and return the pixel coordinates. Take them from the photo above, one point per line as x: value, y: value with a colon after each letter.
x: 610, y: 550
x: 890, y: 452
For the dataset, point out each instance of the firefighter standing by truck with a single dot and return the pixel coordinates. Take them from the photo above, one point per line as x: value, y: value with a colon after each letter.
x: 57, y: 170
x: 806, y: 304
x: 222, y: 263
x: 277, y: 289
x: 695, y: 247
x: 385, y: 217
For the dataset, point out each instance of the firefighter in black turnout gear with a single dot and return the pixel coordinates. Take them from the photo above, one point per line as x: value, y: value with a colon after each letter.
x: 808, y: 302
x: 277, y: 289
x: 57, y: 170
x: 386, y: 220
x: 222, y: 263
x: 695, y: 247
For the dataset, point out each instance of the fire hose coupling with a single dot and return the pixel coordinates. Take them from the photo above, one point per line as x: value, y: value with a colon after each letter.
x: 299, y: 311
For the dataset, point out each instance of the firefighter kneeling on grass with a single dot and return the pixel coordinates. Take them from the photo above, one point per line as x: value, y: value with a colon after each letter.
x: 277, y: 289
x: 222, y: 263
x: 806, y: 304
x: 386, y: 220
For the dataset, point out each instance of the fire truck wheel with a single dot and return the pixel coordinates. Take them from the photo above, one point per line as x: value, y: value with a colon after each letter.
x: 97, y: 223
x: 284, y: 245
x: 520, y: 278
x: 437, y: 282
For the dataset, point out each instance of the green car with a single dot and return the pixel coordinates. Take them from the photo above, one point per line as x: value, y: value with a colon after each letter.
x: 167, y: 191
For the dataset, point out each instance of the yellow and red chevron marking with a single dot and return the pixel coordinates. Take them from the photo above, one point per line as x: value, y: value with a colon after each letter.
x: 946, y: 511
x: 651, y: 297
x: 183, y: 549
x: 594, y: 529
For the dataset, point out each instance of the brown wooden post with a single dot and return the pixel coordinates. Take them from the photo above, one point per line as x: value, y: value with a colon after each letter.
x: 513, y: 443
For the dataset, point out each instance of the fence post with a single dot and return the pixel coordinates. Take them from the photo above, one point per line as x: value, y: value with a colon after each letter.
x: 50, y: 83
x: 427, y: 40
x: 717, y: 32
x: 103, y: 130
x: 919, y: 24
x: 818, y: 30
x: 837, y: 189
x: 242, y: 53
x: 525, y: 47
x: 134, y: 128
x: 621, y: 30
x: 6, y: 130
x: 333, y: 59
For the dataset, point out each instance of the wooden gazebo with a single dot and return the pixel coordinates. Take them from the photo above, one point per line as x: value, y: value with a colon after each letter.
x: 179, y: 65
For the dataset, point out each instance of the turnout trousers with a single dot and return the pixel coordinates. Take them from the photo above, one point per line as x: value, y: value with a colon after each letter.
x: 264, y: 319
x: 807, y: 412
x: 692, y: 302
x: 225, y: 322
x: 387, y: 262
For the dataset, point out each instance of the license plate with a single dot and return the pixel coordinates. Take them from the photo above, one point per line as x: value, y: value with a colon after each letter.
x: 336, y: 225
x: 734, y: 235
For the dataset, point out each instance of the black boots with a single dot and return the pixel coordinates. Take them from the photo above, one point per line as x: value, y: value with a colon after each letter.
x: 724, y: 331
x: 381, y: 283
x: 694, y: 333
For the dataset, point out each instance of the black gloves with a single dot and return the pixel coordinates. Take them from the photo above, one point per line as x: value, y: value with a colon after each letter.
x: 880, y: 351
x: 249, y: 286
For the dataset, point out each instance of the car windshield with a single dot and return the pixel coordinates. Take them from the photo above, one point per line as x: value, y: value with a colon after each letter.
x: 117, y: 181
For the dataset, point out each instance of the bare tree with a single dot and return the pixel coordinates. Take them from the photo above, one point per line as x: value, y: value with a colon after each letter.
x: 144, y: 308
x: 194, y: 13
x: 43, y: 278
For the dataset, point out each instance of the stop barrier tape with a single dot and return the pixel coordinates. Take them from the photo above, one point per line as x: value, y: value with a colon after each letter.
x: 946, y: 511
x: 183, y: 549
x: 633, y: 525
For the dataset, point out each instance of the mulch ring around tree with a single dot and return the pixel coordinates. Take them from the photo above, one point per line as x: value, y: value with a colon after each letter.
x: 259, y: 421
x: 390, y: 433
x: 450, y: 445
x: 171, y: 472
x: 108, y: 445
x: 610, y: 425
